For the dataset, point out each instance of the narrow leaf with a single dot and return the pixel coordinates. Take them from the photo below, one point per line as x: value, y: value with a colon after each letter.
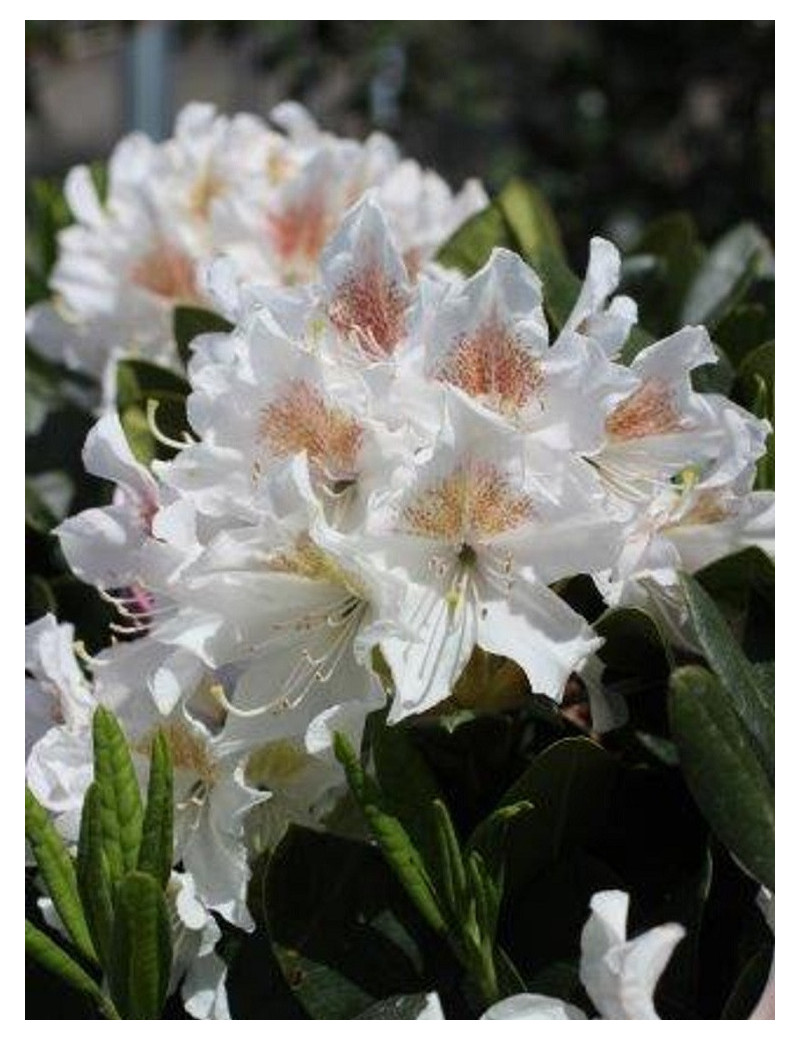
x: 94, y: 881
x: 754, y: 707
x: 723, y: 770
x: 58, y: 873
x: 392, y: 837
x: 120, y: 800
x: 155, y: 853
x: 141, y: 950
x: 50, y: 955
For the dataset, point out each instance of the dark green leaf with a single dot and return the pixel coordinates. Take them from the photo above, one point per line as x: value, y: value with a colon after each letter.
x: 723, y: 770
x: 155, y: 853
x: 407, y: 785
x: 749, y: 986
x: 672, y: 242
x: 188, y: 322
x: 58, y: 873
x: 568, y: 785
x: 38, y: 514
x: 141, y: 950
x: 753, y: 705
x: 345, y: 935
x: 634, y: 643
x: 120, y: 799
x: 744, y: 328
x: 50, y: 955
x: 409, y: 1005
x: 94, y: 881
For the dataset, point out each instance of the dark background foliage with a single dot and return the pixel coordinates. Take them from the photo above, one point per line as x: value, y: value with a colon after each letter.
x: 617, y: 122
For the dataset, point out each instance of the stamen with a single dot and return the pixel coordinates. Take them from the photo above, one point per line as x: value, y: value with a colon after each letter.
x: 169, y: 442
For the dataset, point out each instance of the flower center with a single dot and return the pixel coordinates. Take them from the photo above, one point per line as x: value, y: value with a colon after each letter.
x: 646, y: 413
x: 300, y: 420
x: 475, y: 502
x: 492, y: 363
x: 370, y: 305
x: 166, y: 272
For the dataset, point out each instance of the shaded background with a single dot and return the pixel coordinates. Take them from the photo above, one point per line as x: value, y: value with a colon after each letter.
x: 615, y: 121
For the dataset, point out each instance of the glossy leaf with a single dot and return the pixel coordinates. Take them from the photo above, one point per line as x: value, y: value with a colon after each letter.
x: 58, y: 873
x: 723, y: 770
x: 50, y: 955
x: 156, y: 850
x: 141, y: 948
x: 189, y: 322
x: 569, y: 785
x: 751, y: 701
x: 94, y: 881
x: 120, y: 800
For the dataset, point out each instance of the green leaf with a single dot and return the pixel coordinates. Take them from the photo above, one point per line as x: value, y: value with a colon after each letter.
x: 569, y: 785
x: 346, y: 936
x: 752, y: 703
x: 749, y: 986
x: 726, y: 274
x: 120, y: 799
x: 673, y: 243
x: 406, y: 784
x: 743, y: 587
x: 94, y: 881
x: 634, y: 642
x: 744, y: 328
x: 723, y: 770
x: 156, y: 850
x: 58, y: 873
x: 471, y: 246
x: 50, y: 955
x: 536, y: 237
x: 410, y: 1005
x: 392, y: 837
x: 189, y: 322
x: 38, y: 514
x: 141, y: 948
x: 138, y: 384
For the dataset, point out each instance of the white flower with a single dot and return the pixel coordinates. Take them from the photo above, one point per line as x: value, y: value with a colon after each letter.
x: 59, y: 704
x: 196, y: 967
x: 478, y: 532
x: 532, y: 1005
x: 620, y: 974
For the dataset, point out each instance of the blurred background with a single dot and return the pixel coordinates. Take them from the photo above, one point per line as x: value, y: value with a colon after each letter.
x: 615, y: 121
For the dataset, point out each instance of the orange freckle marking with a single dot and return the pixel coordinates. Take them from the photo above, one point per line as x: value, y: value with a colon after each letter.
x: 372, y: 306
x: 474, y: 501
x: 300, y: 232
x: 646, y: 413
x: 166, y: 272
x: 492, y: 363
x: 299, y: 419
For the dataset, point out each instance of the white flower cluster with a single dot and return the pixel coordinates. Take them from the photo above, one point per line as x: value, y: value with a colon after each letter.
x: 269, y: 198
x: 388, y: 468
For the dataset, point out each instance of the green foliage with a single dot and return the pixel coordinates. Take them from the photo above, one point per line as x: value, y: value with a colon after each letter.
x: 141, y: 947
x: 119, y: 797
x: 155, y: 852
x: 58, y: 873
x: 752, y: 698
x: 112, y: 900
x: 188, y: 322
x: 148, y: 392
x: 723, y: 770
